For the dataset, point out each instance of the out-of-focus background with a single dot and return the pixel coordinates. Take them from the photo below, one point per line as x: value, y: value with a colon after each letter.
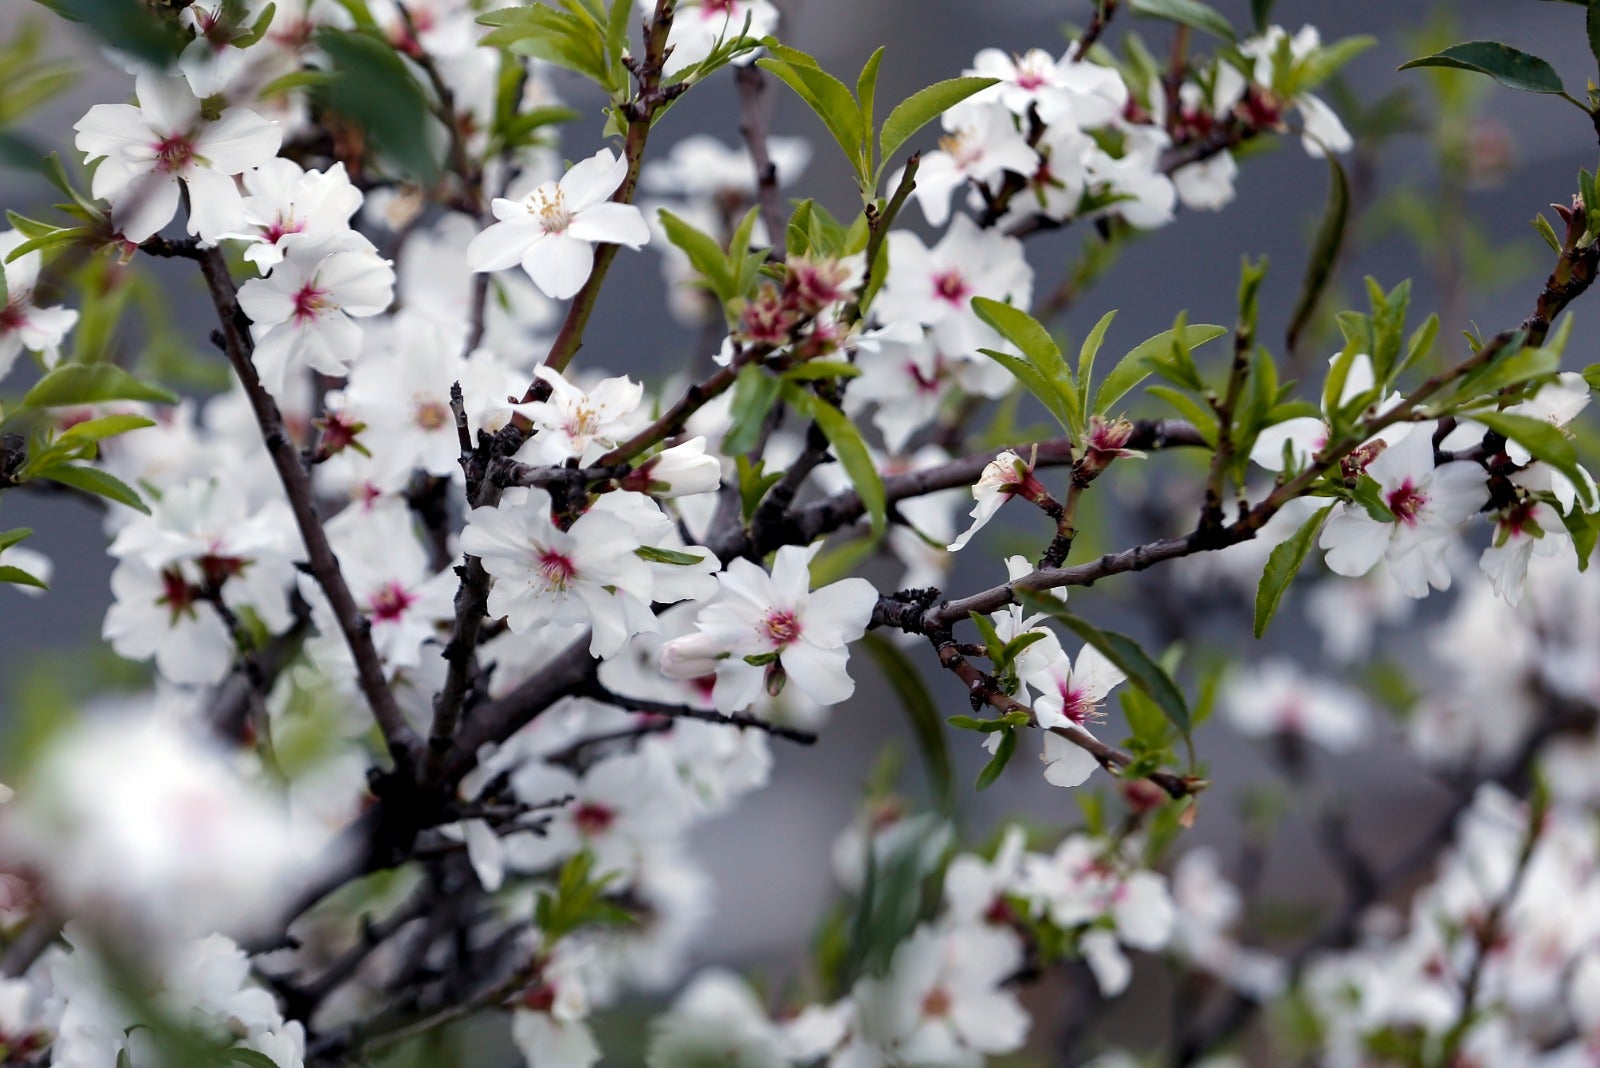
x: 768, y: 860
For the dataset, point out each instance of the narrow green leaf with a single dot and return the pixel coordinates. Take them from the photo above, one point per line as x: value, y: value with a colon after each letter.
x: 909, y: 686
x: 754, y: 393
x: 1126, y: 654
x: 1261, y: 14
x: 845, y: 438
x: 1509, y: 66
x: 1203, y: 418
x: 18, y: 577
x: 921, y: 108
x: 1190, y: 13
x: 93, y: 480
x: 1585, y: 530
x: 1324, y: 250
x: 1040, y: 387
x: 108, y: 426
x: 1592, y: 25
x: 9, y: 538
x: 705, y: 254
x: 991, y: 636
x: 828, y: 98
x: 1282, y: 566
x: 80, y: 383
x: 1086, y: 354
x: 1042, y: 353
x: 813, y: 370
x: 866, y: 97
x: 1546, y: 442
x: 1138, y: 364
x: 657, y: 555
x: 1002, y: 756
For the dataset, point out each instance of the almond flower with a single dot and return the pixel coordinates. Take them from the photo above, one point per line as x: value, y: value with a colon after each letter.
x: 1006, y: 476
x: 146, y: 151
x: 1428, y: 504
x: 23, y: 324
x: 765, y: 628
x: 553, y: 230
x: 301, y: 315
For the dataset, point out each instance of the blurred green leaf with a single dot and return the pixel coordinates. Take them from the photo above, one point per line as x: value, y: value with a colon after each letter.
x: 1324, y: 251
x: 372, y: 88
x: 909, y: 686
x: 80, y: 383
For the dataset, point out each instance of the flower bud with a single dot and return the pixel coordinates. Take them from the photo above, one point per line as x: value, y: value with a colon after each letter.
x: 692, y: 656
x: 680, y: 471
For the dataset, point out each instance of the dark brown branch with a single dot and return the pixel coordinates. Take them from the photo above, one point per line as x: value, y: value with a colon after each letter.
x: 671, y: 710
x: 237, y: 344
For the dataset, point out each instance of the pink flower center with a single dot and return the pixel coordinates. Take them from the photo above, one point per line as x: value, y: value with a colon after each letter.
x: 592, y: 819
x: 390, y: 603
x: 717, y: 8
x: 281, y: 228
x: 556, y: 569
x: 1077, y: 705
x: 176, y: 594
x: 1407, y: 503
x: 951, y: 286
x: 782, y: 627
x: 174, y: 154
x: 310, y: 302
x: 937, y: 1004
x: 12, y: 316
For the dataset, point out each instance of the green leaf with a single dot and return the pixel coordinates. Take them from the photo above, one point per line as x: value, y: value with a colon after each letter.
x: 921, y: 108
x: 705, y: 255
x: 1203, y: 418
x: 1324, y: 250
x: 108, y: 426
x: 845, y: 438
x: 1190, y: 13
x: 374, y: 89
x: 1139, y: 363
x: 18, y: 577
x: 866, y: 95
x: 1040, y: 387
x: 754, y: 482
x: 1002, y: 756
x: 908, y: 685
x: 1585, y: 530
x: 1591, y: 375
x: 1546, y: 442
x: 1261, y: 14
x: 991, y: 637
x: 9, y: 538
x: 92, y: 383
x: 1126, y: 654
x: 1592, y: 25
x: 813, y: 370
x: 1057, y: 391
x: 989, y: 726
x: 1086, y: 354
x: 1509, y: 66
x: 657, y: 555
x: 825, y: 95
x: 127, y: 26
x: 1282, y: 566
x: 93, y: 480
x: 754, y: 393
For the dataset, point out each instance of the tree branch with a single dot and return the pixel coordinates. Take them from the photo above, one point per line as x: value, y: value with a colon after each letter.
x: 398, y: 736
